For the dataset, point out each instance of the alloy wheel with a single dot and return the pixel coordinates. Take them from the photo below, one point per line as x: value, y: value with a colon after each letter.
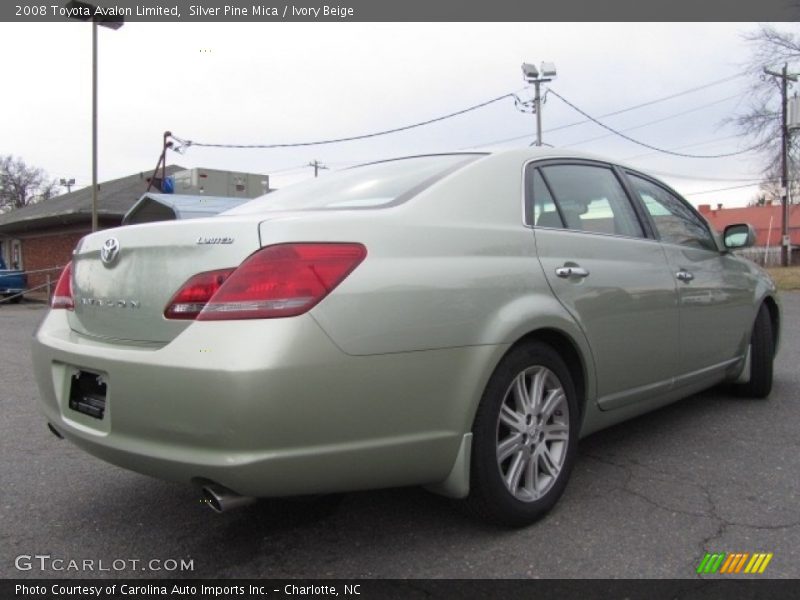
x: 532, y: 433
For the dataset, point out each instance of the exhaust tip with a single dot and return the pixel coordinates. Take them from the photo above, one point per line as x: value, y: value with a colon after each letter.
x: 211, y: 497
x: 55, y: 431
x: 221, y: 499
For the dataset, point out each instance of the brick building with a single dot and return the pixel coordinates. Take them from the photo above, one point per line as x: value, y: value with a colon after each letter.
x: 766, y: 220
x: 42, y: 236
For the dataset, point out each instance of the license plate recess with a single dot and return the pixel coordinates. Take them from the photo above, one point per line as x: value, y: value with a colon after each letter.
x: 87, y: 393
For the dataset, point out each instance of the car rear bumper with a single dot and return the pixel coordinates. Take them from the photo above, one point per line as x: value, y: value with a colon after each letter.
x: 265, y: 408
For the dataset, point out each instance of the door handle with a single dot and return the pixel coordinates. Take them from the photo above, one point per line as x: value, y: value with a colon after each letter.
x: 684, y: 275
x: 566, y: 272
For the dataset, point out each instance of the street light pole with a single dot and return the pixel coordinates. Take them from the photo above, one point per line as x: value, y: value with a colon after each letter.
x: 537, y: 103
x: 94, y: 125
x: 83, y: 11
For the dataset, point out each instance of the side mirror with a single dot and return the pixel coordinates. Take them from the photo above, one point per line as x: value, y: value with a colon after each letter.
x: 741, y: 235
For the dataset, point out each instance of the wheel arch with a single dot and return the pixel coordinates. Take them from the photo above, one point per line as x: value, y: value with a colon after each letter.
x: 482, y: 484
x: 568, y: 350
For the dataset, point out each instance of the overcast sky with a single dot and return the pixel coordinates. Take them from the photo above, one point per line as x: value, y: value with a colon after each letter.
x: 253, y: 83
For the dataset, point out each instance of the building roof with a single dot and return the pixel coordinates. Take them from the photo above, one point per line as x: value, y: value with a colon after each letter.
x: 766, y: 220
x: 157, y: 207
x: 114, y: 199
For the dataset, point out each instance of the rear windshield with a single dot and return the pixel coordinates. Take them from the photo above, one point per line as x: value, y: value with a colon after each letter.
x: 368, y: 186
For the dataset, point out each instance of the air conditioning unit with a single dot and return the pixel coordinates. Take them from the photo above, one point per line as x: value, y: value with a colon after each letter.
x: 211, y: 182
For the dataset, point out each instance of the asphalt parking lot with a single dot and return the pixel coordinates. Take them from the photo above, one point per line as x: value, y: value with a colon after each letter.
x: 647, y: 499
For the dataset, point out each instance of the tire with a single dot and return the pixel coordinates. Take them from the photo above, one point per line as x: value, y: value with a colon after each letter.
x: 762, y: 354
x: 523, y: 452
x: 16, y: 299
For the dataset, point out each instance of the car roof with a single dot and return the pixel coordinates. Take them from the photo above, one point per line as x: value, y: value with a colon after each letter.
x: 546, y: 152
x: 517, y: 154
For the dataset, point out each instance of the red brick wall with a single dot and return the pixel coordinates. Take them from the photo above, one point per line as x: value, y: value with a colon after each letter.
x: 46, y: 251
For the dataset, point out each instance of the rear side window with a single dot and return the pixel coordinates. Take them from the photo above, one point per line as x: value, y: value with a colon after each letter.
x: 368, y: 186
x: 675, y: 221
x: 591, y: 198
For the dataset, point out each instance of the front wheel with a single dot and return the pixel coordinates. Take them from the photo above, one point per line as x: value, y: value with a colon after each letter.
x: 524, y: 437
x: 762, y: 355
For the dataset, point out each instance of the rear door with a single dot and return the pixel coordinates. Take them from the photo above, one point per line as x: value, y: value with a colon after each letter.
x: 715, y: 291
x: 601, y: 261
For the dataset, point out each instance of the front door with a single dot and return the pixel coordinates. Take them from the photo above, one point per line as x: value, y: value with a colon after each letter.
x: 715, y: 304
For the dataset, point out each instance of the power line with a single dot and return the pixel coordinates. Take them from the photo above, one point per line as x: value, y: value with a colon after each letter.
x: 701, y: 178
x: 188, y: 143
x: 287, y: 169
x: 733, y: 187
x: 736, y: 187
x: 703, y: 143
x: 655, y: 121
x: 614, y: 113
x: 651, y: 147
x: 651, y: 102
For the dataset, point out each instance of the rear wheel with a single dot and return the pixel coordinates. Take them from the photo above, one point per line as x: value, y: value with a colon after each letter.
x: 762, y: 354
x: 524, y: 437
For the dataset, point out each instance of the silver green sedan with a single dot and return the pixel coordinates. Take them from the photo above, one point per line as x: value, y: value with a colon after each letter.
x: 455, y: 321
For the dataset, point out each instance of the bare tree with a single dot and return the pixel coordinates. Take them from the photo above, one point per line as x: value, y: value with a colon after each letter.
x: 21, y: 185
x: 769, y: 192
x: 761, y: 121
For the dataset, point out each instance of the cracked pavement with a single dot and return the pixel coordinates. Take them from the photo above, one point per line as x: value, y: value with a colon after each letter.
x: 648, y: 498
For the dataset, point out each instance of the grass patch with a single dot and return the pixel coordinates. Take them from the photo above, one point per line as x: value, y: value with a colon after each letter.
x: 786, y: 278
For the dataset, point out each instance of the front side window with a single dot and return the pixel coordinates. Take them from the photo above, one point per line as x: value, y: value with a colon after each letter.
x: 591, y: 198
x: 675, y: 221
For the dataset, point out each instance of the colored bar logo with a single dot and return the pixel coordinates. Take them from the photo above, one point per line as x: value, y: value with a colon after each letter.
x: 734, y: 562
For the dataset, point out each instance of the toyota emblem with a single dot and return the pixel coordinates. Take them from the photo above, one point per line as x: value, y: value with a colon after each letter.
x: 109, y: 251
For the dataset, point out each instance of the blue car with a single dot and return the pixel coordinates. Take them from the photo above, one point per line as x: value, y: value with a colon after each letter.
x: 13, y: 283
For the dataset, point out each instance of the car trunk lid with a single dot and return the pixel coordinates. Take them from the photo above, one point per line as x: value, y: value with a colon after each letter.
x: 123, y: 278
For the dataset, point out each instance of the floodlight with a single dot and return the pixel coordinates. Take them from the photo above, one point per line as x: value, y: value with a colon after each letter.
x: 548, y: 69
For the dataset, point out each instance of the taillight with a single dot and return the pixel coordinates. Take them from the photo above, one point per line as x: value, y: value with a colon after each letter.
x: 195, y: 293
x: 62, y: 296
x: 278, y: 281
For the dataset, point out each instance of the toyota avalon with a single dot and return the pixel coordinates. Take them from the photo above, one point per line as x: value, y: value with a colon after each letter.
x: 455, y: 321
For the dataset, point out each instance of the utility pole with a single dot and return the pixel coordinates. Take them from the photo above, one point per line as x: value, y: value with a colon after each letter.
x: 317, y: 166
x: 537, y: 77
x: 162, y: 163
x: 784, y: 76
